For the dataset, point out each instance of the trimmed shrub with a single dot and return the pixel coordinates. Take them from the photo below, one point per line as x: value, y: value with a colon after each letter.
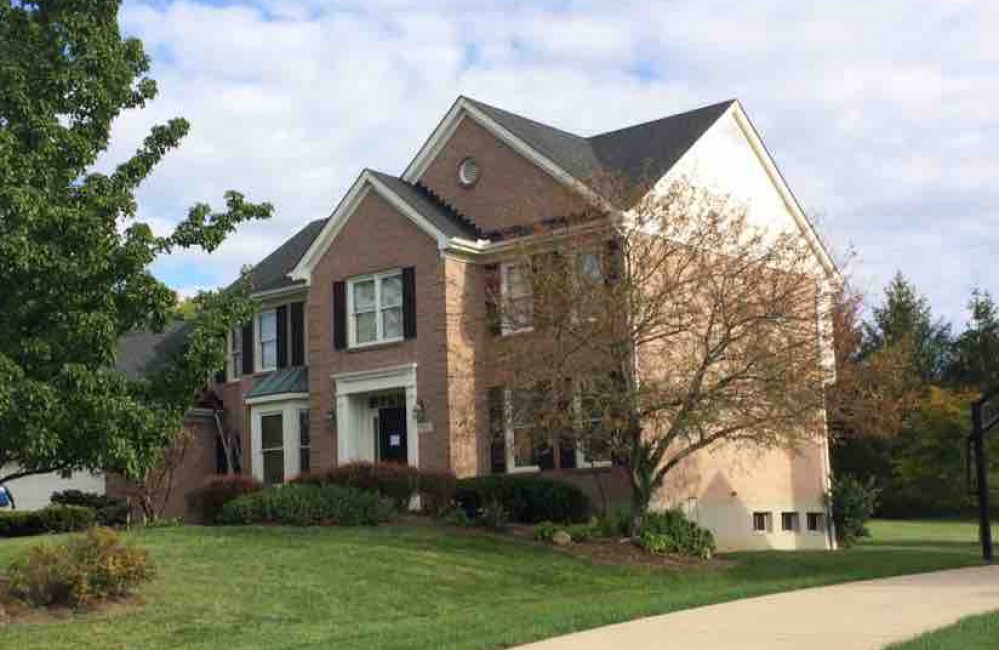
x: 852, y: 503
x: 524, y: 499
x: 544, y: 531
x: 50, y: 519
x: 84, y: 568
x: 306, y: 505
x: 615, y: 523
x: 109, y: 511
x: 436, y: 491
x: 205, y: 503
x: 670, y: 532
x: 395, y: 482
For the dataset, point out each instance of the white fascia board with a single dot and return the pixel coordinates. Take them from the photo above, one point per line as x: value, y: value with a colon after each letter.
x: 365, y: 183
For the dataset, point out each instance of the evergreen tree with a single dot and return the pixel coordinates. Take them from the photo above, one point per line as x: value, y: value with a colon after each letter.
x: 975, y: 362
x: 906, y: 321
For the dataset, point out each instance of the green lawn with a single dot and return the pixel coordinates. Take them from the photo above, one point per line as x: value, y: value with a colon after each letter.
x: 972, y: 633
x: 419, y: 587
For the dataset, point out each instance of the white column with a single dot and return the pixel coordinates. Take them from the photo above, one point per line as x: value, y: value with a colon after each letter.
x: 344, y: 426
x: 412, y: 428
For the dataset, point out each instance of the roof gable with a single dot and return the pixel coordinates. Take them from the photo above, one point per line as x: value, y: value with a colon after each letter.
x: 419, y: 206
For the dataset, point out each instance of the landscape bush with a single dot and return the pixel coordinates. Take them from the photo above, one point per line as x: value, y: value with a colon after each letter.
x: 204, y: 504
x: 670, y: 532
x: 852, y: 503
x: 84, y: 568
x: 50, y: 519
x: 109, y: 511
x: 304, y: 504
x: 546, y: 530
x: 523, y: 499
x: 393, y: 481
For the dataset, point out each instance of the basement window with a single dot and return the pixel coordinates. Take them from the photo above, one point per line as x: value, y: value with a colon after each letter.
x: 815, y: 521
x: 789, y: 522
x: 763, y: 522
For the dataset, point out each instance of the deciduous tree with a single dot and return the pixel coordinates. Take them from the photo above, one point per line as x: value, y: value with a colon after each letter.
x: 74, y: 258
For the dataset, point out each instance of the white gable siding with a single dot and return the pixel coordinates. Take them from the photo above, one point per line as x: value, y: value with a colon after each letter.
x: 724, y: 161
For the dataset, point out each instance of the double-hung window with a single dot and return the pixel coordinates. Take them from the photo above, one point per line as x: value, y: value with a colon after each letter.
x: 375, y: 308
x: 235, y: 353
x: 267, y: 340
x: 518, y: 298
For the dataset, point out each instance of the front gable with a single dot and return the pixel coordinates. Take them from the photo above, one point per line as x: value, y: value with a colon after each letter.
x: 367, y: 185
x: 517, y: 185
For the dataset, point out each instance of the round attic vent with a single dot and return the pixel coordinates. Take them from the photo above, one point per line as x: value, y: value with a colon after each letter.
x: 468, y: 172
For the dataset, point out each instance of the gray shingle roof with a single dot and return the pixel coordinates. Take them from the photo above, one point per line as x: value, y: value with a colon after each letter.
x: 272, y: 271
x: 140, y: 353
x: 431, y: 207
x: 642, y: 152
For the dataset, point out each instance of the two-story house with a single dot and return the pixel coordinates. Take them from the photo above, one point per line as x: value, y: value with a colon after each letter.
x: 372, y: 341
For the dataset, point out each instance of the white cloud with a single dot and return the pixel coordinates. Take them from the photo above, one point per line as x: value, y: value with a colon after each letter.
x: 880, y: 114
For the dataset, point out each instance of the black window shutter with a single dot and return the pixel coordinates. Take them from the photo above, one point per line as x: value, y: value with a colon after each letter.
x: 493, y: 316
x: 281, y: 315
x: 409, y: 302
x: 248, y: 348
x: 615, y: 261
x: 497, y: 431
x: 339, y: 315
x: 297, y: 333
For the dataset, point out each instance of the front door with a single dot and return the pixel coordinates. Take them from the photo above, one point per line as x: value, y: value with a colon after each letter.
x: 392, y: 434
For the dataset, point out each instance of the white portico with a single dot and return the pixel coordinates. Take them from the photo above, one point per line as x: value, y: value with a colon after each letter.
x: 376, y: 415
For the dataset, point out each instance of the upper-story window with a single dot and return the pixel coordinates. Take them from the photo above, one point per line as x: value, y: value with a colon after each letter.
x: 518, y: 299
x: 267, y: 340
x: 375, y: 308
x: 235, y: 360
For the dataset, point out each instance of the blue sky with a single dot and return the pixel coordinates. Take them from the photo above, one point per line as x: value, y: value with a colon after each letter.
x: 880, y: 114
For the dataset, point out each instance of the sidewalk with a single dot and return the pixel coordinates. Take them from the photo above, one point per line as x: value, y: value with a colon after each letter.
x: 853, y: 616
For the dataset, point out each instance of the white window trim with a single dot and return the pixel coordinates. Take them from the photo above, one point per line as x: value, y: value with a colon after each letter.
x: 508, y: 438
x: 506, y: 327
x: 258, y: 342
x: 351, y: 324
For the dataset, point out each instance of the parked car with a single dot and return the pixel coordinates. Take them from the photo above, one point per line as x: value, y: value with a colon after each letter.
x: 6, y: 498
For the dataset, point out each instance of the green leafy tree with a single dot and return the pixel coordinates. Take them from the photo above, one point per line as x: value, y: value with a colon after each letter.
x: 906, y: 321
x: 975, y: 362
x: 74, y: 260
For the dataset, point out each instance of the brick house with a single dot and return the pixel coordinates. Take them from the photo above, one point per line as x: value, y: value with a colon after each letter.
x: 371, y: 340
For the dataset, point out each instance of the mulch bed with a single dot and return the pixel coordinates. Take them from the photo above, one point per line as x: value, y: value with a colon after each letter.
x: 14, y: 611
x: 619, y: 552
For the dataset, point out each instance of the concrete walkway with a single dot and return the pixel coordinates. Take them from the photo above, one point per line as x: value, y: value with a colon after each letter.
x: 853, y: 616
